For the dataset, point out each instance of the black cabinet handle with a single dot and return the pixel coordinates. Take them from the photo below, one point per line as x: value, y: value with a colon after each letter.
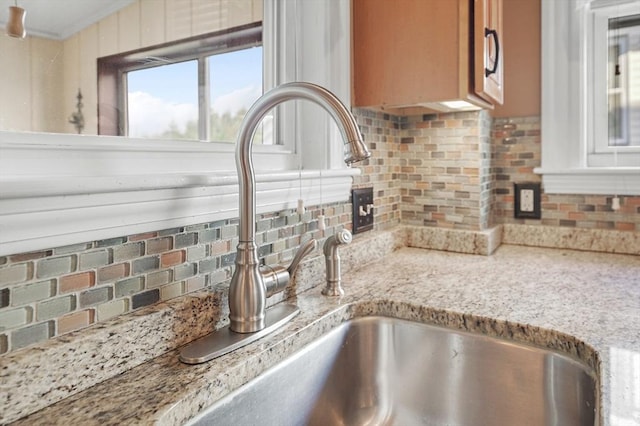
x: 494, y: 34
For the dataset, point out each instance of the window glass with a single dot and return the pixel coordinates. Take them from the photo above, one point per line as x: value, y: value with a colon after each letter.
x: 623, y: 81
x: 235, y: 80
x: 162, y: 110
x: 611, y: 91
x: 586, y: 107
x: 198, y: 88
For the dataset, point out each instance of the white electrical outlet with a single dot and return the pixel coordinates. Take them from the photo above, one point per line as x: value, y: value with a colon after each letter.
x: 526, y: 200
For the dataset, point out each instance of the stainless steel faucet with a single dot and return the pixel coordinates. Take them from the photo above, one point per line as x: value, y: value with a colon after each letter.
x: 251, y: 285
x: 247, y: 291
x: 332, y: 261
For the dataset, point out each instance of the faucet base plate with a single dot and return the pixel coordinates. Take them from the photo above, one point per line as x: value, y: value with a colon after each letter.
x: 223, y: 341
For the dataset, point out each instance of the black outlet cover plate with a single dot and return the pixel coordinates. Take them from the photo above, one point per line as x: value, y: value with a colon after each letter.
x: 517, y: 189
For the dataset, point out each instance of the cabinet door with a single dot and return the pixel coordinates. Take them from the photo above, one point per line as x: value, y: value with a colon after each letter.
x: 488, y: 53
x: 406, y: 52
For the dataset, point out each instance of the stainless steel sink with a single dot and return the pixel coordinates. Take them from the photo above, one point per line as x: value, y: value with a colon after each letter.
x: 382, y: 371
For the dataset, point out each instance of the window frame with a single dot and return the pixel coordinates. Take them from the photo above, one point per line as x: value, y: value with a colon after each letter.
x: 600, y: 144
x: 599, y: 153
x: 568, y: 112
x: 60, y: 189
x: 113, y: 68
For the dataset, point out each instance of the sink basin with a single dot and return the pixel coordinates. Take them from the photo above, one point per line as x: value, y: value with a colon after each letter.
x: 383, y: 371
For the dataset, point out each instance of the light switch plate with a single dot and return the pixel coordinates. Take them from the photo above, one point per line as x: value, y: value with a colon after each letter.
x: 526, y: 203
x: 362, y: 203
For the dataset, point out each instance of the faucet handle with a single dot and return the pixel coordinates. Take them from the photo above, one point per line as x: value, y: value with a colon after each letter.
x: 275, y: 278
x: 304, y: 250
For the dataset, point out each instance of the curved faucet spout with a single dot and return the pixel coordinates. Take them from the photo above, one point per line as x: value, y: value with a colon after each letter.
x: 355, y: 149
x: 247, y: 293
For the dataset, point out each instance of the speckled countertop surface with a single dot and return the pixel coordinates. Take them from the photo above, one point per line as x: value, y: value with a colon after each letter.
x: 584, y: 303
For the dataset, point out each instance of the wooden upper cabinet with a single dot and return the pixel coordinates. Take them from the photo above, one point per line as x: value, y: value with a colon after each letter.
x: 488, y: 57
x: 426, y: 53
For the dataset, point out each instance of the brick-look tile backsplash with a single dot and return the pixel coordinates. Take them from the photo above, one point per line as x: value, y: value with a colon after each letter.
x: 445, y: 172
x: 451, y: 170
x: 517, y: 152
x: 381, y: 171
x: 52, y: 292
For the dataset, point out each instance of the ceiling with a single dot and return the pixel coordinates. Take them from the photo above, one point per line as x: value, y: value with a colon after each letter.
x: 59, y: 19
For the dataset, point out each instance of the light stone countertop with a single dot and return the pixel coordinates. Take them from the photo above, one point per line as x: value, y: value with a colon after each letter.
x: 583, y: 303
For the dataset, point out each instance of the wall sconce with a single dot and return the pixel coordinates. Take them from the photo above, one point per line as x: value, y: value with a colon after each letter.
x: 15, y: 24
x: 77, y: 118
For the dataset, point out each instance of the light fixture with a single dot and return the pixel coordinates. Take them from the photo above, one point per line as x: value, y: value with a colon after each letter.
x: 15, y: 25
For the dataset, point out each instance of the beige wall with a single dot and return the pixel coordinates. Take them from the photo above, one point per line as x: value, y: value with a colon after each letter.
x: 30, y: 87
x: 42, y: 77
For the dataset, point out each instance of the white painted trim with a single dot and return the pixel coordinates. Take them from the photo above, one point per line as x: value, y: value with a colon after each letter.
x: 604, y: 181
x: 560, y: 99
x: 566, y: 123
x: 37, y: 154
x: 68, y: 212
x: 312, y: 43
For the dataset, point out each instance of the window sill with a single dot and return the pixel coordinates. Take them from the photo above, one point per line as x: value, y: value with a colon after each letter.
x: 43, y: 213
x: 602, y: 181
x: 65, y: 189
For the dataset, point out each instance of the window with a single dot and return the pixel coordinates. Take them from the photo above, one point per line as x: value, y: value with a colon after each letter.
x: 194, y: 89
x: 157, y: 110
x: 617, y: 92
x: 230, y: 84
x: 590, y: 97
x: 235, y: 83
x: 623, y: 78
x: 613, y: 49
x: 66, y: 189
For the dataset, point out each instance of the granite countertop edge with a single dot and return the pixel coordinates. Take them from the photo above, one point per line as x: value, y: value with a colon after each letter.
x: 583, y: 304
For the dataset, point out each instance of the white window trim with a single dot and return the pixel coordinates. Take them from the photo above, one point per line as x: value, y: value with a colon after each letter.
x: 600, y: 154
x: 58, y: 190
x: 601, y: 144
x: 567, y: 121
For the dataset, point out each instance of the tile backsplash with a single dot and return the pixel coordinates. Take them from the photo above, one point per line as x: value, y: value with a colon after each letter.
x: 456, y: 170
x: 517, y: 152
x: 52, y: 292
x: 452, y: 170
x: 445, y: 175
